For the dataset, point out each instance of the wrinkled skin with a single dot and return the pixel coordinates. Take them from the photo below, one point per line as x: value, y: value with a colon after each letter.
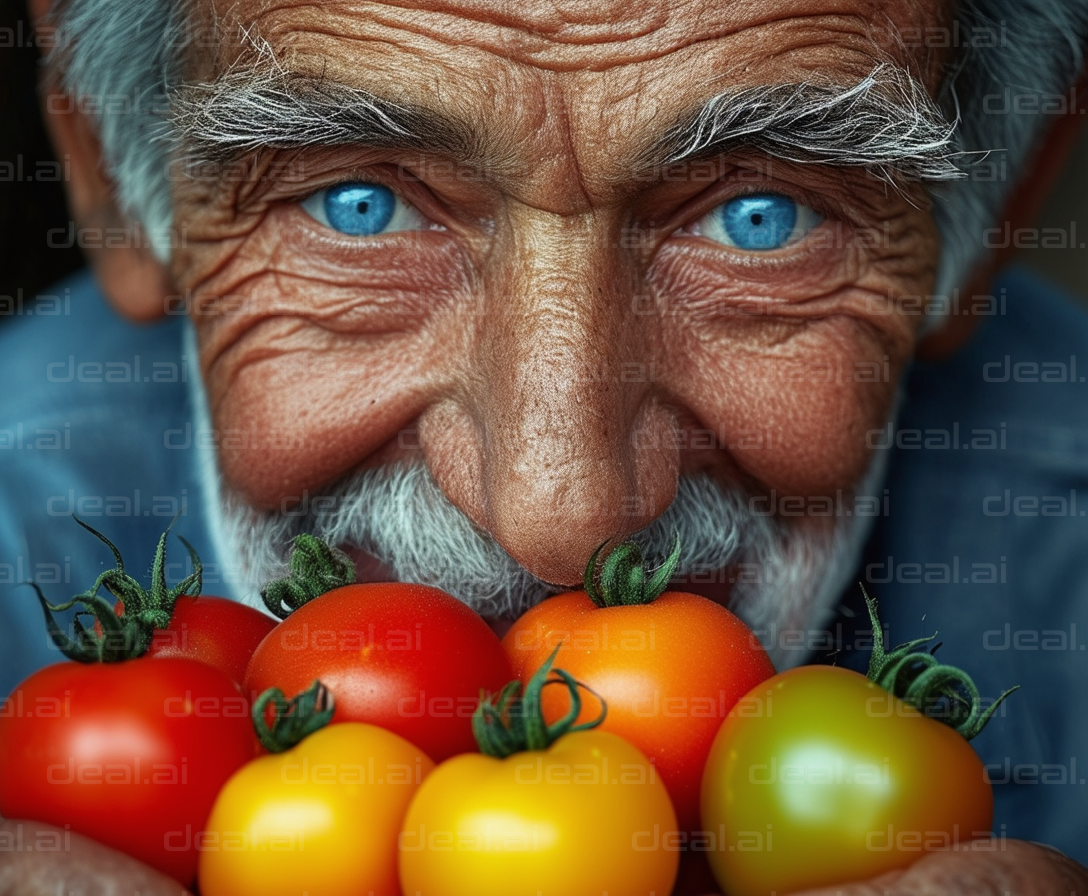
x: 563, y: 314
x: 1014, y: 870
x: 503, y: 347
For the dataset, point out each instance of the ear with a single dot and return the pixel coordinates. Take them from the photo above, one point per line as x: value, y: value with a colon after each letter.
x: 134, y: 281
x: 1021, y: 210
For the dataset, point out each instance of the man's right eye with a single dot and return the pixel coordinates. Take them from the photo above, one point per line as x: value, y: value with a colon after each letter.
x: 357, y: 208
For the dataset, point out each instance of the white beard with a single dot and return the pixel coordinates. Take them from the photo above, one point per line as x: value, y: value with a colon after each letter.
x: 789, y: 578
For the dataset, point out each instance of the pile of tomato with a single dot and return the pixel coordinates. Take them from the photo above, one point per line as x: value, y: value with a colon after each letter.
x: 380, y: 739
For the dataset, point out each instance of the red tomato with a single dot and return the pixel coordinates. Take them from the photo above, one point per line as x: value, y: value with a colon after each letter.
x: 669, y: 672
x: 131, y: 754
x: 408, y: 658
x: 217, y: 631
x: 174, y: 622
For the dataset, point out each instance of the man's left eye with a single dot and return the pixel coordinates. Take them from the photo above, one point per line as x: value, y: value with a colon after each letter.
x: 362, y: 209
x: 758, y: 222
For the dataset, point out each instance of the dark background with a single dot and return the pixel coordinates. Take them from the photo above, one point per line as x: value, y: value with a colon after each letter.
x: 28, y: 208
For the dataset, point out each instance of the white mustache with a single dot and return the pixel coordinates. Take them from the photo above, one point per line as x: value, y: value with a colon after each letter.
x: 400, y: 515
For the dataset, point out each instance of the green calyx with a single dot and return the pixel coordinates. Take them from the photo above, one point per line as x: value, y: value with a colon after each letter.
x: 293, y: 719
x: 508, y: 723
x: 943, y: 693
x: 128, y: 635
x: 624, y: 580
x: 316, y: 568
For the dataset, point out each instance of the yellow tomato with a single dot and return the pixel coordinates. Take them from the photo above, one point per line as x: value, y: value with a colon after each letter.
x: 321, y: 818
x: 584, y: 817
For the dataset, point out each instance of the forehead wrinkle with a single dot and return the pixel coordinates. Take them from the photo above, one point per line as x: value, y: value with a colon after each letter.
x: 493, y: 139
x: 569, y: 145
x: 518, y: 40
x: 535, y: 34
x: 614, y: 20
x: 676, y: 27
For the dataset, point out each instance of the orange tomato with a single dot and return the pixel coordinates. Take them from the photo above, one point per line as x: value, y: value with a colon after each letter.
x: 669, y: 670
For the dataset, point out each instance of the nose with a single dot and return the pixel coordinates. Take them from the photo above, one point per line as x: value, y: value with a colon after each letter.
x: 560, y: 436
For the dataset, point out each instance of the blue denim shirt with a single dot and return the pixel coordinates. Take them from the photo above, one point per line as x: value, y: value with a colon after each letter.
x: 985, y: 535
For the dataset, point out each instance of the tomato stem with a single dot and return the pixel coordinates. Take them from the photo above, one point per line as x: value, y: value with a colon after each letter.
x: 294, y: 719
x: 508, y: 723
x: 624, y: 580
x: 316, y: 568
x: 944, y: 693
x: 128, y: 634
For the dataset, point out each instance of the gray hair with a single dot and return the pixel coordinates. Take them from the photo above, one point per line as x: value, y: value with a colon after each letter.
x: 126, y: 56
x: 130, y: 54
x: 1039, y: 51
x: 886, y: 124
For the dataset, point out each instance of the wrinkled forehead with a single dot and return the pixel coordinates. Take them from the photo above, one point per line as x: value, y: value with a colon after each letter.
x: 606, y: 69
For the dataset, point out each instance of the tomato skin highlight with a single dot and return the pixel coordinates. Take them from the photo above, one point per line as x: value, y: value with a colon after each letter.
x: 321, y: 818
x: 844, y: 780
x: 408, y: 658
x: 670, y: 671
x: 565, y: 821
x: 131, y: 754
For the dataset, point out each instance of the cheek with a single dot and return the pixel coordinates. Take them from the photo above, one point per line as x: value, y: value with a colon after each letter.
x: 285, y: 425
x: 792, y: 365
x: 794, y: 416
x: 316, y: 359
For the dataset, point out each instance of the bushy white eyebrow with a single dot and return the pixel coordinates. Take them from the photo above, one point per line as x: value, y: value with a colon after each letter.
x: 242, y: 112
x: 886, y: 123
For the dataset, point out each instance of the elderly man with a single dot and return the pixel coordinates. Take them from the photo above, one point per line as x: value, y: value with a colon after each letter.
x: 469, y: 287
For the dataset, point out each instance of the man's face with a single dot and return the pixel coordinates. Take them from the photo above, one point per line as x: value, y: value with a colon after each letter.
x: 561, y: 332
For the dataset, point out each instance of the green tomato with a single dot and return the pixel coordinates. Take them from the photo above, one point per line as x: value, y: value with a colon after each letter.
x: 821, y: 777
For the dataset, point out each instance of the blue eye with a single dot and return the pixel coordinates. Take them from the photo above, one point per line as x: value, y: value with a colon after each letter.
x: 362, y: 209
x: 759, y: 222
x: 359, y: 209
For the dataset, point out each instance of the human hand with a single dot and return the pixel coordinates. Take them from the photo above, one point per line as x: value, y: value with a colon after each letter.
x: 40, y: 860
x: 1011, y: 868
